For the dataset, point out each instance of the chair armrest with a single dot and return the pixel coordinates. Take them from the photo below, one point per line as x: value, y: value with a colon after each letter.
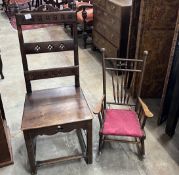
x: 98, y: 107
x: 145, y: 109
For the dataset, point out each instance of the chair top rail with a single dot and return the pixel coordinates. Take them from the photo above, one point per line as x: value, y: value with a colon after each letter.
x: 122, y: 104
x: 124, y: 59
x: 124, y: 70
x: 45, y: 16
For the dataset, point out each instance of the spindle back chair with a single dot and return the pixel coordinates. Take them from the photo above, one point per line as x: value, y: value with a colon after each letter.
x: 124, y: 114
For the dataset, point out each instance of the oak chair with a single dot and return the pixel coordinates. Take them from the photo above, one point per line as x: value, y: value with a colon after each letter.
x: 119, y: 113
x: 47, y: 112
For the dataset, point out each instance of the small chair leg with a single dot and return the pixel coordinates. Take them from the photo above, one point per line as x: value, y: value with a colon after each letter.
x: 101, y: 143
x: 142, y: 147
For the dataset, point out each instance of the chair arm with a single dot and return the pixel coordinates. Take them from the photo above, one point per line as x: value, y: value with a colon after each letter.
x: 98, y: 107
x: 145, y: 109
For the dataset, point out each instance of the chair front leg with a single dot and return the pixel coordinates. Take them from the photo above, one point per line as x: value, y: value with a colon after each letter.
x: 101, y: 143
x: 29, y: 141
x: 89, y: 151
x: 142, y: 146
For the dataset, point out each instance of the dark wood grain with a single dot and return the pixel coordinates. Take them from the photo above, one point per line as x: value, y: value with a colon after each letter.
x: 54, y: 107
x: 155, y: 24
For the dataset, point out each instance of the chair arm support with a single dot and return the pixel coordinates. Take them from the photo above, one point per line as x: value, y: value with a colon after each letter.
x: 145, y: 109
x: 98, y: 107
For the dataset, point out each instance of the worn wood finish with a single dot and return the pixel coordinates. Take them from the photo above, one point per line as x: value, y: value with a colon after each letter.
x: 6, y: 157
x: 155, y: 24
x: 111, y: 24
x: 59, y: 106
x: 121, y: 94
x: 47, y: 112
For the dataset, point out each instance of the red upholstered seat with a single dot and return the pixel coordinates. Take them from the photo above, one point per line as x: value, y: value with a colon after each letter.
x: 122, y: 123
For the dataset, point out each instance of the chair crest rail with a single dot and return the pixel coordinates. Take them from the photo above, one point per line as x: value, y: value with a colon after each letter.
x: 50, y: 17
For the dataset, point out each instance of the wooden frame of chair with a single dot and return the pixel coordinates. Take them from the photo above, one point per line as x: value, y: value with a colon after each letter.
x: 32, y: 126
x: 122, y: 95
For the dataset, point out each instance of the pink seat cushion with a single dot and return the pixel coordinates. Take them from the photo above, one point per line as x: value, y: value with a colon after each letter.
x: 122, y: 123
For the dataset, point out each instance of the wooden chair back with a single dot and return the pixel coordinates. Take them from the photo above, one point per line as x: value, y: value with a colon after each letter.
x: 47, y: 14
x: 121, y: 70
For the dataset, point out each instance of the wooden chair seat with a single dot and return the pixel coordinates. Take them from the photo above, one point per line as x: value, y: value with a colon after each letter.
x: 53, y: 107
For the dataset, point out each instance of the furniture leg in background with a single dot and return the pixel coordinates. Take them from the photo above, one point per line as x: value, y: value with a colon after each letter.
x: 6, y: 157
x: 1, y: 66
